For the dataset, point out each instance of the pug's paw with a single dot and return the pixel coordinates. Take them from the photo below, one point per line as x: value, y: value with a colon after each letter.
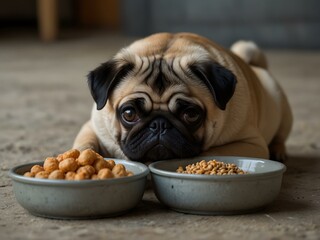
x: 277, y: 152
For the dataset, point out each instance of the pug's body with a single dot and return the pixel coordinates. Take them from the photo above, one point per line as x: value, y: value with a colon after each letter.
x: 181, y: 95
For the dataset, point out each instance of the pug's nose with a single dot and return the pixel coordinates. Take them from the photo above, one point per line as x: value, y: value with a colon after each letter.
x: 159, y: 125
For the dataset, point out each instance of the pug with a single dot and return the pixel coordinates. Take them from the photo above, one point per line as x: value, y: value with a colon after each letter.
x: 181, y: 95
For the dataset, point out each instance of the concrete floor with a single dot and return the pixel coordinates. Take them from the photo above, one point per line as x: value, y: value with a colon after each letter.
x: 44, y: 100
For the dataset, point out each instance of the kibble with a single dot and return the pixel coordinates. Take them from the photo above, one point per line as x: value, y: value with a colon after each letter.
x: 42, y: 174
x: 36, y: 168
x: 105, y: 173
x: 51, y: 164
x: 75, y: 165
x: 87, y: 169
x: 70, y: 175
x: 87, y: 157
x: 56, y: 174
x: 68, y: 165
x: 72, y: 153
x: 100, y: 164
x: 81, y: 176
x: 211, y: 167
x: 29, y: 174
x: 119, y: 170
x: 111, y: 163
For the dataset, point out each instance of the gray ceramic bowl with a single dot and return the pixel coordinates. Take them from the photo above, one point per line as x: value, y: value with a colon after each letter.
x: 79, y: 199
x: 217, y: 195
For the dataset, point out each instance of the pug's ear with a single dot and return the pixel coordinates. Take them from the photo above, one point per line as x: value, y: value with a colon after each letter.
x: 103, y: 79
x: 220, y: 81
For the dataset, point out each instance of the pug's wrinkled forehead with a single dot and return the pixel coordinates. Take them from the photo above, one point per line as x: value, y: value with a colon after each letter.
x: 162, y: 66
x: 160, y: 71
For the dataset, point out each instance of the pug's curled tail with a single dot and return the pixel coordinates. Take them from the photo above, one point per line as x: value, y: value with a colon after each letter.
x: 250, y: 53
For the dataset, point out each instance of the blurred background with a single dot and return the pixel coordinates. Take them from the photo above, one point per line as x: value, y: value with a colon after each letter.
x: 271, y: 23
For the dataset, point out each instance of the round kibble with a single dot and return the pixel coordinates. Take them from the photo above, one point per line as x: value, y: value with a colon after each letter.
x: 100, y: 164
x: 29, y: 174
x: 51, y: 164
x: 105, y: 173
x: 73, y: 165
x: 81, y: 176
x: 36, y: 168
x: 68, y: 165
x: 94, y: 177
x: 42, y: 174
x: 111, y: 163
x: 72, y: 153
x: 70, y: 175
x: 129, y: 173
x: 119, y: 170
x: 56, y: 174
x: 59, y: 157
x: 87, y: 157
x: 87, y: 169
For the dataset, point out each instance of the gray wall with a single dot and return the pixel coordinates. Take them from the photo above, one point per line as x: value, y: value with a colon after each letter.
x: 26, y: 10
x: 271, y: 23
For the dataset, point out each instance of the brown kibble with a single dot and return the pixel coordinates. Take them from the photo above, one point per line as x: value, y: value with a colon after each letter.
x: 72, y: 153
x: 87, y: 169
x: 81, y: 176
x: 180, y: 169
x: 59, y: 157
x: 70, y: 175
x: 94, y: 177
x: 42, y: 174
x: 56, y: 174
x: 87, y: 157
x: 50, y: 164
x: 111, y: 163
x: 129, y: 173
x: 36, y: 168
x: 100, y: 164
x: 118, y: 167
x: 68, y: 165
x: 212, y: 167
x: 29, y: 174
x: 73, y: 165
x: 105, y: 173
x: 209, y: 168
x: 119, y: 170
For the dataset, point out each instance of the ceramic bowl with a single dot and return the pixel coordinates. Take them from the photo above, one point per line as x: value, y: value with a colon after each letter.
x: 217, y: 194
x: 83, y: 199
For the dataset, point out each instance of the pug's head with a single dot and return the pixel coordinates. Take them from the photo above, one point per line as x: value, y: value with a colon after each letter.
x: 159, y: 94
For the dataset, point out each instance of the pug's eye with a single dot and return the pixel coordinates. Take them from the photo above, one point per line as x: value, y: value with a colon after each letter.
x: 191, y: 116
x: 130, y: 115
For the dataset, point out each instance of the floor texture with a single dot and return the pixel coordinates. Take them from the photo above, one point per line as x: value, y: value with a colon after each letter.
x: 44, y: 100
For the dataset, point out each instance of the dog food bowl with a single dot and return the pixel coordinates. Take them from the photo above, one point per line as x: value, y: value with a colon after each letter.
x: 82, y: 199
x: 217, y: 194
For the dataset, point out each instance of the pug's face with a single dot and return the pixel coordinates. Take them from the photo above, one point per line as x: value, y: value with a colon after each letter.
x: 158, y: 94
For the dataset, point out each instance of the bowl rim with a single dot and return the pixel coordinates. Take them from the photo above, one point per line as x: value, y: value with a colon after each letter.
x: 154, y: 170
x: 81, y: 183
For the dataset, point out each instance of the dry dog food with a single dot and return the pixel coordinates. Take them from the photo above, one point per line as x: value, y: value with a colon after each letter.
x: 75, y: 165
x: 211, y: 167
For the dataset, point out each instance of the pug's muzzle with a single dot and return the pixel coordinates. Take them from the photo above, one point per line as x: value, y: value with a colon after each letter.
x: 160, y: 137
